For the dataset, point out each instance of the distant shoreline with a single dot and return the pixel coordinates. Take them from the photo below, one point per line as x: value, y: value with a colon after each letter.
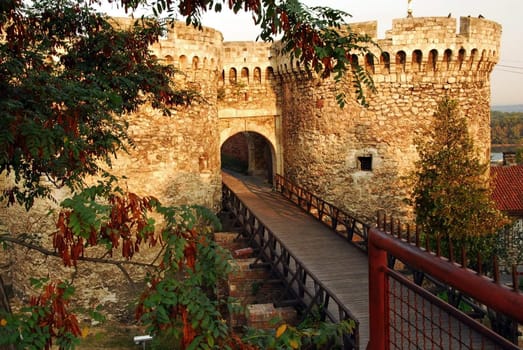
x: 497, y: 148
x: 507, y: 108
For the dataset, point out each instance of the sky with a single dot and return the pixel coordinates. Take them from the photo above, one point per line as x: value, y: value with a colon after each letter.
x: 507, y: 77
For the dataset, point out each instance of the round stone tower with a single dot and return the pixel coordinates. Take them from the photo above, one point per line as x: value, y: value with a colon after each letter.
x: 176, y: 158
x: 356, y: 157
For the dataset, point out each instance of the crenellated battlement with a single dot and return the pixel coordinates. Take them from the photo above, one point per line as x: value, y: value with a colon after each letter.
x: 425, y: 48
x: 185, y: 47
x: 246, y: 63
x: 188, y: 48
x: 418, y: 49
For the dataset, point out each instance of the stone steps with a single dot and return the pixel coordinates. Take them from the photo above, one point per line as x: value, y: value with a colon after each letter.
x: 254, y: 288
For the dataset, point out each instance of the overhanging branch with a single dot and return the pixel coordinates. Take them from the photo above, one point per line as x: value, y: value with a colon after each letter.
x: 47, y: 252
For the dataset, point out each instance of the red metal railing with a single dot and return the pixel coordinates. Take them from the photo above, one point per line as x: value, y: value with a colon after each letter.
x: 405, y: 311
x: 404, y: 315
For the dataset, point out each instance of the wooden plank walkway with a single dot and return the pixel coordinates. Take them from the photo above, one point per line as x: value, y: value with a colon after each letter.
x: 340, y: 266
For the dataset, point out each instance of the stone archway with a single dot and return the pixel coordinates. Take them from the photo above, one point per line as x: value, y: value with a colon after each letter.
x: 255, y: 129
x: 249, y: 153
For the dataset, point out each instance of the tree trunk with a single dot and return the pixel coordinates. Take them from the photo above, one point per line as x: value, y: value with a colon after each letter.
x: 4, y: 307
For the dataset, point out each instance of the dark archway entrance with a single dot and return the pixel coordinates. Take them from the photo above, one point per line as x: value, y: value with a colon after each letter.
x: 248, y: 153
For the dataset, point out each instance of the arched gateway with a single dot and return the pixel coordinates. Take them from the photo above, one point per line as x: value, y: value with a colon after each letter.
x: 254, y: 140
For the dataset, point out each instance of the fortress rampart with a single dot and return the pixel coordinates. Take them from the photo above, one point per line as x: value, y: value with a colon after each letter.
x: 424, y: 46
x: 354, y: 157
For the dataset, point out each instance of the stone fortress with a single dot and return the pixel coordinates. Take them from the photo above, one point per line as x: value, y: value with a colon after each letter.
x: 257, y: 107
x: 262, y: 109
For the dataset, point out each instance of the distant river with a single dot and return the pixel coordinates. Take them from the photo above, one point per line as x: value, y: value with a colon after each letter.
x: 507, y: 108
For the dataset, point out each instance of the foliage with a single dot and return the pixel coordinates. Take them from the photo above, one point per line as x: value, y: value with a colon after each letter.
x: 45, y: 319
x: 310, y: 334
x: 506, y: 127
x: 181, y: 300
x: 123, y: 219
x: 462, y: 305
x: 519, y: 156
x: 451, y: 193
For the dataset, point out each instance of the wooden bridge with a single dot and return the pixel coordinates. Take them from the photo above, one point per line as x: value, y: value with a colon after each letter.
x: 331, y: 271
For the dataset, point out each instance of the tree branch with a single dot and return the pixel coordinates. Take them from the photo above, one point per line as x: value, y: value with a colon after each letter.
x: 127, y: 276
x: 48, y: 252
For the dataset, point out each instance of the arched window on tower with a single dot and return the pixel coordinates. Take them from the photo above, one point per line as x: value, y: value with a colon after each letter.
x: 473, y: 57
x: 354, y: 60
x: 461, y: 57
x: 385, y: 62
x: 369, y: 63
x: 417, y: 57
x: 433, y: 59
x: 257, y: 75
x: 269, y: 74
x: 222, y: 77
x: 232, y: 76
x: 494, y: 54
x: 245, y: 75
x: 482, y: 60
x: 195, y: 62
x: 447, y: 57
x: 401, y: 59
x: 182, y: 62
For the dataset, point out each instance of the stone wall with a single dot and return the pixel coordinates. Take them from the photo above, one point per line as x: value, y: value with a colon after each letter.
x: 248, y: 86
x: 177, y: 158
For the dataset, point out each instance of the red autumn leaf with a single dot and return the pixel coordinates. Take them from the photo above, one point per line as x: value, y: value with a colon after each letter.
x: 190, y: 255
x: 188, y: 332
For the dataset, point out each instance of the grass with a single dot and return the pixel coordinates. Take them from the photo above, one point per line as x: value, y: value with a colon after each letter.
x: 111, y: 335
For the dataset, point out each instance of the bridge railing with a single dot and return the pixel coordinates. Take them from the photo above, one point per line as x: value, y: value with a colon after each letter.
x: 307, y: 291
x: 402, y: 313
x: 343, y: 223
x: 423, y: 285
